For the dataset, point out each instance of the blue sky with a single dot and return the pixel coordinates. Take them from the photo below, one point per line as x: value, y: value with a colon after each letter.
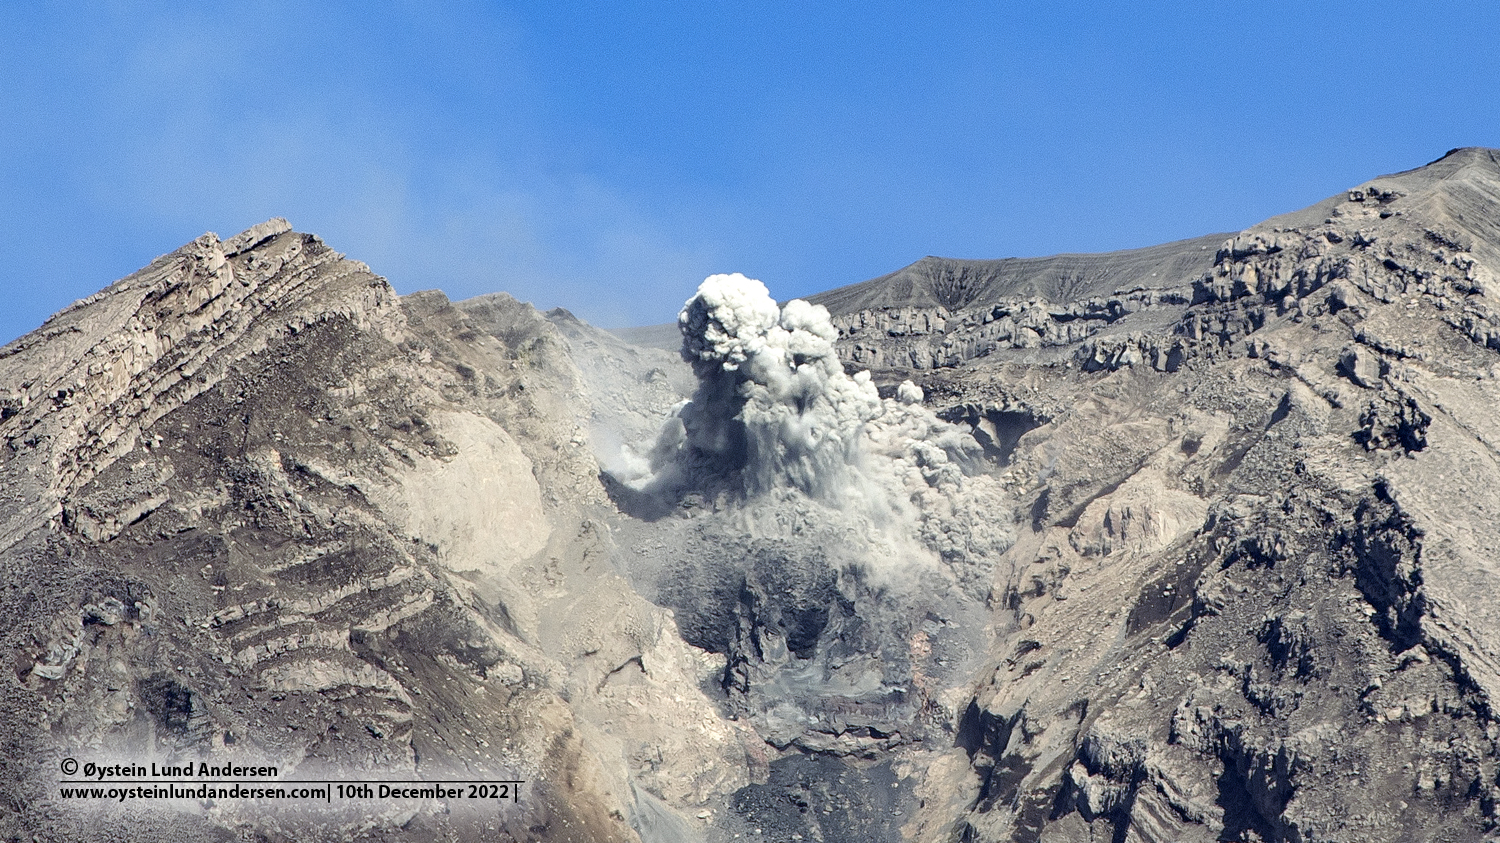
x: 607, y: 156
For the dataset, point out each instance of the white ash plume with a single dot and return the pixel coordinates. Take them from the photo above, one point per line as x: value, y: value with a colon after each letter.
x: 773, y: 402
x: 778, y: 426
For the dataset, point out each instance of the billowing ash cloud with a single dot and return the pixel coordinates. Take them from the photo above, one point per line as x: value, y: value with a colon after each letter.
x: 773, y: 401
x: 776, y: 423
x: 836, y: 547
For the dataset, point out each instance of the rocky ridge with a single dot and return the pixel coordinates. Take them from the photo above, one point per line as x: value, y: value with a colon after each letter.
x: 259, y: 508
x: 1253, y: 601
x: 940, y: 312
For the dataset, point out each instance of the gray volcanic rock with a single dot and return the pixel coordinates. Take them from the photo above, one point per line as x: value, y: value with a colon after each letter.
x: 940, y: 312
x: 956, y: 284
x: 1255, y: 599
x: 258, y: 509
x: 1194, y: 542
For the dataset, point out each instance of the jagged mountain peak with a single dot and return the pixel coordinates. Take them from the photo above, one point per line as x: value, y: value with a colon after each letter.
x: 1460, y: 188
x: 102, y: 370
x: 942, y: 312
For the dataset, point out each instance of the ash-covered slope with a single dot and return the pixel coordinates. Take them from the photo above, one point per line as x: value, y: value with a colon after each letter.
x: 939, y: 312
x: 955, y: 284
x: 1256, y: 598
x: 258, y: 510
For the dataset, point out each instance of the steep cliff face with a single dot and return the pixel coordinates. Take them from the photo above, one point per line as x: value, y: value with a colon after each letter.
x: 1195, y: 542
x: 1254, y: 600
x: 257, y: 508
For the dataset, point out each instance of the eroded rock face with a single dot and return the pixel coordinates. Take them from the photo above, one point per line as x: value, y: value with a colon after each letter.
x: 1187, y: 543
x: 1253, y: 602
x: 257, y: 507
